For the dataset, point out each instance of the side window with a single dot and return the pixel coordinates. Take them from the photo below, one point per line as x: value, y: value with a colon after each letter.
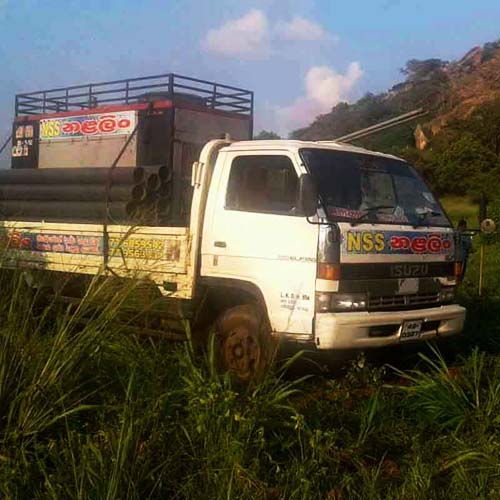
x: 263, y: 183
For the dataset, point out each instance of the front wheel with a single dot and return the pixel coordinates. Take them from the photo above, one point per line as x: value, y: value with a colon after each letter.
x: 244, y: 342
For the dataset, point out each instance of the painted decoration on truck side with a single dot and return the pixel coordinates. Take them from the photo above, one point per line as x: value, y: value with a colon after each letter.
x: 54, y: 243
x: 23, y: 141
x: 80, y: 244
x: 141, y: 248
x: 68, y: 243
x: 397, y: 242
x: 92, y: 125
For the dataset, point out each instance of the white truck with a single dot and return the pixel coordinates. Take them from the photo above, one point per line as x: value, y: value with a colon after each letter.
x: 322, y: 245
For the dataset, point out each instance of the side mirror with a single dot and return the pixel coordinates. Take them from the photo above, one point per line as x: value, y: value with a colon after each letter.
x: 488, y: 226
x: 308, y: 196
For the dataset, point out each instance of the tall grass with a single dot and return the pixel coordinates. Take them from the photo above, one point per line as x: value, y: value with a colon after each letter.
x: 88, y: 411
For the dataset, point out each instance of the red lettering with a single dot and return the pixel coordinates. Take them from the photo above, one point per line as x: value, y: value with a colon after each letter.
x: 26, y: 243
x: 395, y: 243
x: 89, y: 127
x: 90, y: 250
x: 435, y: 244
x: 419, y: 244
x: 124, y: 123
x: 400, y: 243
x: 405, y: 243
x: 87, y: 240
x: 73, y: 248
x: 107, y: 124
x: 71, y: 128
x: 54, y: 238
x: 69, y: 240
x: 14, y: 240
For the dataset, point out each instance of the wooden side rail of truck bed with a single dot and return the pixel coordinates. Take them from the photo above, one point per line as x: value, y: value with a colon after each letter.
x: 158, y: 254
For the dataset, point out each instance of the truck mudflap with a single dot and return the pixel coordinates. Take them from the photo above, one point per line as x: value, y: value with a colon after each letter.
x: 378, y: 329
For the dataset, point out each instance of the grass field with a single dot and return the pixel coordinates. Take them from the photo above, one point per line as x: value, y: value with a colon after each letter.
x: 459, y: 207
x: 88, y: 412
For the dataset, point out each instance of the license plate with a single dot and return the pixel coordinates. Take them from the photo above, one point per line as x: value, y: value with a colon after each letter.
x: 411, y: 330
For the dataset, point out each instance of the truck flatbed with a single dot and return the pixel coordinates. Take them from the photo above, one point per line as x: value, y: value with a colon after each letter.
x: 157, y: 254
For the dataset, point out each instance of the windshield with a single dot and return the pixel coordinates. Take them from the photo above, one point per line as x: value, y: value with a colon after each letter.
x: 358, y: 187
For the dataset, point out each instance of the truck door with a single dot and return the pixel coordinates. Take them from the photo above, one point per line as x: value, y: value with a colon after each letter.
x: 255, y: 234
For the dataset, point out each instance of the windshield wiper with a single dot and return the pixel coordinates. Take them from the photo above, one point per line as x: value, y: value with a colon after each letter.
x: 370, y: 210
x: 422, y: 217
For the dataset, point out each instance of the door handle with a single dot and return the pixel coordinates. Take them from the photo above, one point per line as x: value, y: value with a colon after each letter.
x: 220, y: 244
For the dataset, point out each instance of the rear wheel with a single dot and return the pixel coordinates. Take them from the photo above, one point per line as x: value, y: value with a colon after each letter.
x: 244, y: 342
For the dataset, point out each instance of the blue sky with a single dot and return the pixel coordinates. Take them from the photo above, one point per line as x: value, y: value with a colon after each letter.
x: 299, y: 56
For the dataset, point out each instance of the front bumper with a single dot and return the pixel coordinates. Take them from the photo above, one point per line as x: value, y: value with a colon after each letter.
x: 378, y: 329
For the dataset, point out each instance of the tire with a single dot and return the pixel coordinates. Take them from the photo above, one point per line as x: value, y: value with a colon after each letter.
x: 244, y: 344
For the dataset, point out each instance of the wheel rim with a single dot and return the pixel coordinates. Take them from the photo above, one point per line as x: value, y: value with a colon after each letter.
x: 242, y: 353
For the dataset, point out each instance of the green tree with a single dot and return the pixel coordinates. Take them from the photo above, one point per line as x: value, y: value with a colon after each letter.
x: 465, y: 166
x: 266, y: 135
x: 484, y: 124
x: 416, y: 69
x: 490, y: 49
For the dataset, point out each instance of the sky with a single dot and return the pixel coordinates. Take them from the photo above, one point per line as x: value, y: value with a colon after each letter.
x: 300, y: 57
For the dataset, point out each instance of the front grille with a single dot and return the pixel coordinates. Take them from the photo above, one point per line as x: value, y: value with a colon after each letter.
x: 411, y: 301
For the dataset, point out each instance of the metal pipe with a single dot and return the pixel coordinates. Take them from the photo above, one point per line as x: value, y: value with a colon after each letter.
x: 165, y: 189
x: 61, y: 210
x: 84, y: 175
x: 71, y: 192
x: 153, y: 183
x: 397, y: 120
x: 360, y: 135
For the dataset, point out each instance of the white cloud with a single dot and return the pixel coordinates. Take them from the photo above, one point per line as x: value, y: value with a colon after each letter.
x: 251, y: 37
x: 324, y: 89
x: 301, y: 29
x: 246, y: 37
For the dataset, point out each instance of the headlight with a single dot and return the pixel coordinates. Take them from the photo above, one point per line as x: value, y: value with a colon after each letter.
x: 327, y: 302
x: 447, y: 295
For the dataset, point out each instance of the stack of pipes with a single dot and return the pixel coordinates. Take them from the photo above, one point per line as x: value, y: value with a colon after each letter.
x: 123, y: 195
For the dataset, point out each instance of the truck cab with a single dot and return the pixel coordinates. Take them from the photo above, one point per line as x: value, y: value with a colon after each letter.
x: 371, y: 265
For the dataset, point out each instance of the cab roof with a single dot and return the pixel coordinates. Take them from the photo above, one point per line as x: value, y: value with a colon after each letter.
x: 292, y: 145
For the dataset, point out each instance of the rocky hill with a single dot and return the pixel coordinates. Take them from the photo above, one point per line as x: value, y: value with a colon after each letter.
x: 456, y: 145
x: 449, y: 90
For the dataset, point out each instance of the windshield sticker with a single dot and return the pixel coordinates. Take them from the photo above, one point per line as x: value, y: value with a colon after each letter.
x: 345, y: 212
x: 397, y: 242
x: 395, y: 217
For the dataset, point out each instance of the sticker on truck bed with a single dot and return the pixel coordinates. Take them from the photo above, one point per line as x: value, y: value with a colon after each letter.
x: 80, y: 244
x: 96, y: 125
x: 397, y: 242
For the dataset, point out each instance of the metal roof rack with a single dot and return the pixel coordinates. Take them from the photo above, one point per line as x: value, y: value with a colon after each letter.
x: 133, y: 90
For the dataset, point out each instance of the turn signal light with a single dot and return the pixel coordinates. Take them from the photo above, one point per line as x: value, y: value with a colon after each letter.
x: 328, y: 271
x: 458, y: 269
